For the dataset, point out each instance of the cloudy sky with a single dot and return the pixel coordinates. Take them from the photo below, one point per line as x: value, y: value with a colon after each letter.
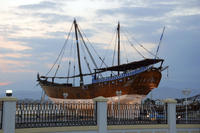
x: 32, y: 33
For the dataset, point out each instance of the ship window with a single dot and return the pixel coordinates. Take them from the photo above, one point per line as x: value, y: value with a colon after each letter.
x: 121, y: 80
x: 105, y: 83
x: 113, y: 82
x: 128, y: 78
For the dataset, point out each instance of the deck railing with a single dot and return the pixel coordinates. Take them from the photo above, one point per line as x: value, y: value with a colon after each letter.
x: 29, y: 115
x: 129, y: 114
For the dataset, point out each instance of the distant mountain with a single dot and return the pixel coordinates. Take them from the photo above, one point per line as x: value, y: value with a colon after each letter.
x: 168, y: 92
x: 191, y: 99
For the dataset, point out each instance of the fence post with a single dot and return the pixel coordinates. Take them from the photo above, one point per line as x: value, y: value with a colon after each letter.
x: 9, y: 111
x: 171, y: 115
x: 101, y: 106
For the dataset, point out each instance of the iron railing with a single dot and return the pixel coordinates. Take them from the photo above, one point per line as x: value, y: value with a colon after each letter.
x: 189, y: 116
x: 30, y: 115
x: 1, y: 114
x: 130, y: 114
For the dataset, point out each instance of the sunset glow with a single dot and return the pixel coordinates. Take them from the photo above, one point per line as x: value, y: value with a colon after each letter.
x: 32, y: 33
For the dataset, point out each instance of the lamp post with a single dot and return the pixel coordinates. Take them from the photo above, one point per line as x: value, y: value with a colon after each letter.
x: 65, y: 97
x: 186, y: 93
x: 112, y: 107
x: 119, y: 93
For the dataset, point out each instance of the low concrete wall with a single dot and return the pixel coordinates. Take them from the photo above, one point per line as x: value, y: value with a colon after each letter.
x: 188, y: 128
x: 74, y: 129
x: 138, y: 129
x: 163, y: 128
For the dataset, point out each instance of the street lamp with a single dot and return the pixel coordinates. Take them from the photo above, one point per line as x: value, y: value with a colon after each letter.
x: 8, y: 93
x: 65, y: 95
x: 119, y: 93
x: 186, y: 93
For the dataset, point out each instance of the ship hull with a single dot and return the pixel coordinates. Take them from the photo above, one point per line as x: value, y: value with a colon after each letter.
x: 139, y: 84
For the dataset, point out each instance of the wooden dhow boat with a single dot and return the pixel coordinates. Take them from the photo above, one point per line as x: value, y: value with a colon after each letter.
x: 132, y: 78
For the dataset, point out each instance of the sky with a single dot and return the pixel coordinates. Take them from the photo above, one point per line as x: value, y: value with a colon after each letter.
x: 32, y: 33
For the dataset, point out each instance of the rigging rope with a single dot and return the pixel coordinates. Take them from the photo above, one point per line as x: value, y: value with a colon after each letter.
x: 60, y: 51
x: 141, y: 45
x: 88, y: 66
x: 56, y: 70
x: 60, y: 59
x: 113, y: 60
x: 74, y: 75
x: 101, y: 63
x: 109, y: 44
x: 135, y: 48
x: 94, y: 49
x: 125, y: 53
x: 74, y: 42
x: 69, y: 65
x: 68, y: 71
x: 87, y: 49
x: 102, y: 60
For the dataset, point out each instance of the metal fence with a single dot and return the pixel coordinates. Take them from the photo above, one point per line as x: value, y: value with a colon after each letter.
x: 1, y: 114
x: 189, y: 114
x: 129, y: 114
x: 30, y: 115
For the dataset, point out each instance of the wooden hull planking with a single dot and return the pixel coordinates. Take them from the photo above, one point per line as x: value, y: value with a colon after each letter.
x: 140, y: 84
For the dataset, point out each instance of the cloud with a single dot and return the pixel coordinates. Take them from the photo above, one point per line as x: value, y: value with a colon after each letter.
x: 135, y: 11
x: 41, y: 6
x: 12, y: 45
x: 15, y: 65
x: 15, y: 62
x: 52, y: 18
x: 4, y: 83
x: 48, y: 11
x: 20, y: 71
x: 185, y: 12
x: 14, y: 55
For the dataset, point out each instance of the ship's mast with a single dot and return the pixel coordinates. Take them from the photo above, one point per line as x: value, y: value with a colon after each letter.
x: 118, y: 32
x: 78, y: 53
